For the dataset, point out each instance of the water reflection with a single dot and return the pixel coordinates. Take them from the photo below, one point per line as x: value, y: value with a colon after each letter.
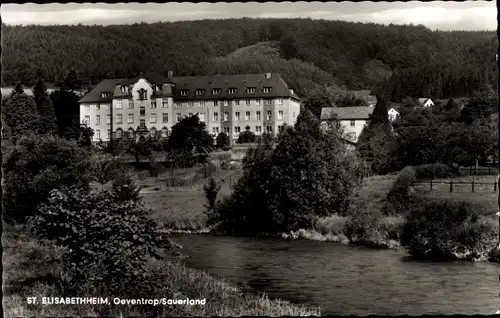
x: 344, y: 279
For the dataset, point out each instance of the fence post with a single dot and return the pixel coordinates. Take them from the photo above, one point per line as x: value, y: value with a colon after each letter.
x: 451, y: 185
x: 431, y: 184
x: 495, y: 186
x: 472, y: 185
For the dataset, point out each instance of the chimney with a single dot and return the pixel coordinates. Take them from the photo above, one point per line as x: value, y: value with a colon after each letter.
x: 170, y: 75
x: 268, y: 75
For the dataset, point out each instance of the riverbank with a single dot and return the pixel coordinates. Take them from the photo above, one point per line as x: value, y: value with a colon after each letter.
x: 34, y: 269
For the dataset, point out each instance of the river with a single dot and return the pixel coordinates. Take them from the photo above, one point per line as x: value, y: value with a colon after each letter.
x: 344, y: 279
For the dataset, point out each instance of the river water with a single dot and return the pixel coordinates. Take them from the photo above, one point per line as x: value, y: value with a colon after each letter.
x: 343, y: 279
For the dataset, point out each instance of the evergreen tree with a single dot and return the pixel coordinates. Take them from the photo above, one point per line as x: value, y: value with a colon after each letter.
x: 21, y: 115
x: 17, y: 90
x: 222, y: 140
x: 45, y: 108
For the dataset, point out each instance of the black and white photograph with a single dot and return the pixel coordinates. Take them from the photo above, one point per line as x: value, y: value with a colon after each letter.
x: 250, y: 159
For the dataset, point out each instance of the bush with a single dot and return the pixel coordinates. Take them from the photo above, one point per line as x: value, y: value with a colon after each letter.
x: 225, y: 165
x: 143, y: 174
x: 399, y: 196
x: 447, y: 230
x: 107, y: 239
x: 36, y: 165
x: 435, y: 171
x: 207, y: 169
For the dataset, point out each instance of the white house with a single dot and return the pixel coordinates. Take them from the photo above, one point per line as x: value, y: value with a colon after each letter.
x: 352, y: 119
x: 425, y: 102
x: 393, y: 114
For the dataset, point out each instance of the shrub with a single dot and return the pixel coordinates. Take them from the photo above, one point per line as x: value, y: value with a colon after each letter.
x: 445, y: 229
x: 143, y: 174
x: 36, y: 165
x: 225, y: 165
x: 207, y: 169
x: 399, y: 196
x: 435, y: 171
x: 333, y: 224
x: 107, y: 239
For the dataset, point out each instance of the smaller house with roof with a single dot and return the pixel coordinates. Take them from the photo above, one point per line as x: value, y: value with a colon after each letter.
x: 425, y: 102
x: 352, y: 119
x: 393, y: 113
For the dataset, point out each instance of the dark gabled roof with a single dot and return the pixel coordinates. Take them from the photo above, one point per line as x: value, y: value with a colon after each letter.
x: 422, y: 100
x: 241, y: 82
x: 346, y: 113
x: 151, y: 77
x: 94, y: 96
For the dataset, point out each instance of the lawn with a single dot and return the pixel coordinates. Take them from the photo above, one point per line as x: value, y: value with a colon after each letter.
x: 182, y: 208
x: 483, y: 196
x: 373, y: 193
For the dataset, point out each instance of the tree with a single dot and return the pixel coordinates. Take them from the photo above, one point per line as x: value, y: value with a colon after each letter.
x: 45, y: 108
x: 211, y: 190
x: 17, y: 90
x: 377, y: 143
x: 36, y: 165
x: 190, y: 134
x: 71, y: 82
x: 222, y: 140
x: 140, y: 149
x: 21, y: 115
x: 482, y: 104
x: 308, y: 174
x: 67, y: 112
x: 246, y: 137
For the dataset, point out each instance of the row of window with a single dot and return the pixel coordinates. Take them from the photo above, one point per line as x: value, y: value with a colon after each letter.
x: 230, y: 90
x: 237, y: 130
x: 164, y: 117
x: 119, y: 133
x: 164, y: 131
x: 127, y: 104
x: 237, y: 102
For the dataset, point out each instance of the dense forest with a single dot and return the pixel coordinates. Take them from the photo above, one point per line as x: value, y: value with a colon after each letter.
x: 308, y: 53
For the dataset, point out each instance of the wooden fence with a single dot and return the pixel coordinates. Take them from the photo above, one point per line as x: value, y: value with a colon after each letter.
x: 452, y: 185
x: 478, y: 171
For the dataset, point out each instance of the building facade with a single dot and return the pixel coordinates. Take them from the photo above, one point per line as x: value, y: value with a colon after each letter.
x: 151, y: 104
x: 352, y: 119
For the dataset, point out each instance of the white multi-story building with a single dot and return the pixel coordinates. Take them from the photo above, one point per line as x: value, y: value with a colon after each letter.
x: 151, y: 104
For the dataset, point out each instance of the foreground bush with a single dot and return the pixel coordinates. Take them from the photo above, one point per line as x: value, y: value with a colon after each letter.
x: 27, y: 260
x: 107, y: 237
x: 445, y: 230
x: 36, y: 165
x: 435, y: 171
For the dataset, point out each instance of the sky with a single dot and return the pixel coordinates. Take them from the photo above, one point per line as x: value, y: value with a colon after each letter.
x: 442, y: 15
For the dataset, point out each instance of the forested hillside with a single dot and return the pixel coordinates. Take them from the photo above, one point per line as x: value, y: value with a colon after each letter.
x: 308, y: 53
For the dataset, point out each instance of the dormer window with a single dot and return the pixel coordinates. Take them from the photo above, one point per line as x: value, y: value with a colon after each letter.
x: 267, y: 90
x: 250, y: 90
x: 184, y: 92
x: 232, y: 90
x: 216, y: 91
x: 159, y: 88
x: 200, y: 92
x: 124, y: 89
x: 143, y: 94
x: 105, y: 94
